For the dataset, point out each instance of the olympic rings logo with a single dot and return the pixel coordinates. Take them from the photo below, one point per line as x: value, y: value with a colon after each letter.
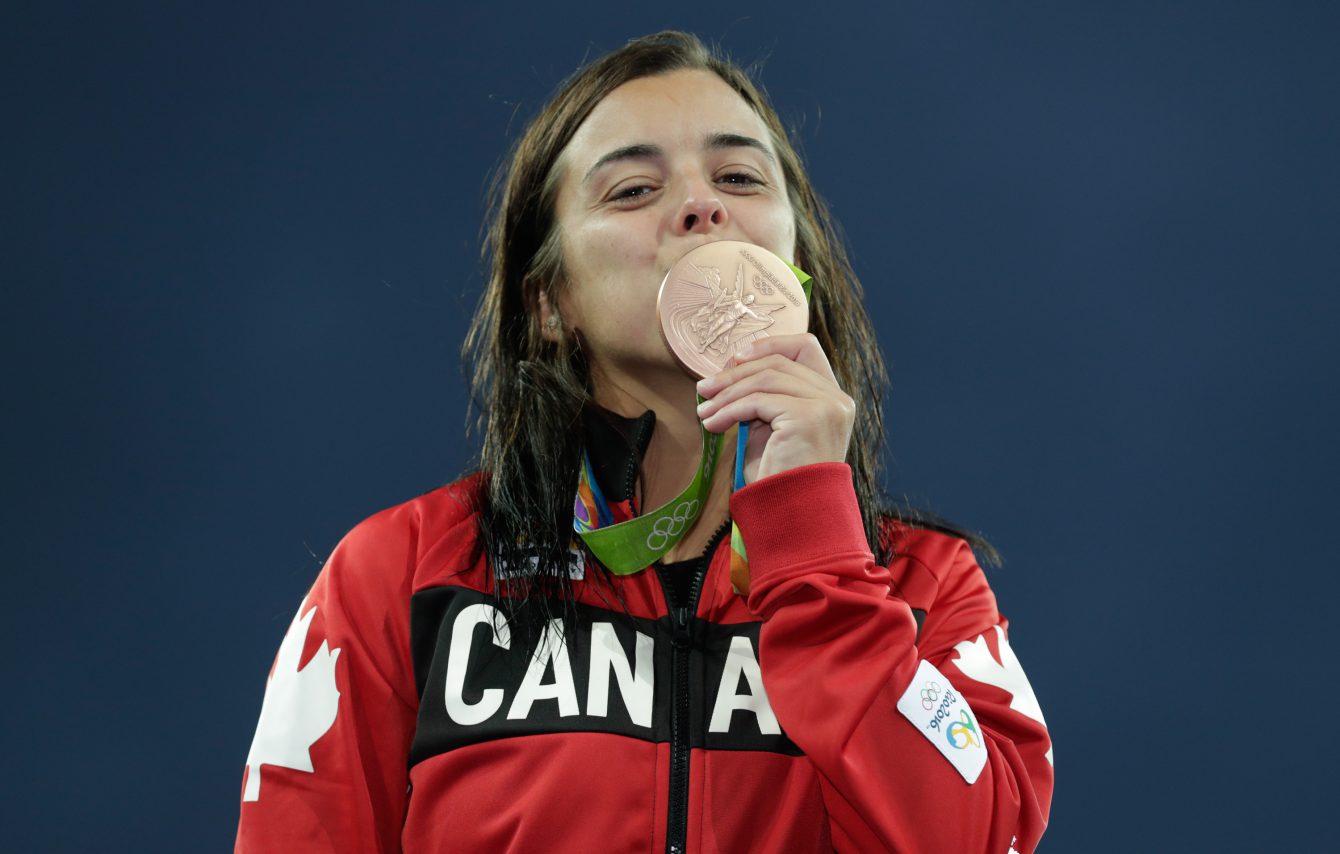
x: 962, y: 732
x: 929, y: 695
x: 666, y: 527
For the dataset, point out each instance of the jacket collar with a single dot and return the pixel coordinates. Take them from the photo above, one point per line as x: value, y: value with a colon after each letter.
x: 615, y: 445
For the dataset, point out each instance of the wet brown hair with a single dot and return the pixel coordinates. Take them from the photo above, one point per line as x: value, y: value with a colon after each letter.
x: 530, y: 392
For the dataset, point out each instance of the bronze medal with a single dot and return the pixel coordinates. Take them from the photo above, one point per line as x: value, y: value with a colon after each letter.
x: 723, y: 295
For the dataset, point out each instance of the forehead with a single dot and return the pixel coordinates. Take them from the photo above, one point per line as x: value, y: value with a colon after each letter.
x: 679, y: 108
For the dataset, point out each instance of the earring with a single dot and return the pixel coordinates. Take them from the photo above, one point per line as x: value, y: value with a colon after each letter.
x: 553, y: 322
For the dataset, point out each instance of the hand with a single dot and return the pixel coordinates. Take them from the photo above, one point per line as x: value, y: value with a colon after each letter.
x: 785, y: 387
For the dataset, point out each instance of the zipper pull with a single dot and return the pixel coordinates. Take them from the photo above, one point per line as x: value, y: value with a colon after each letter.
x: 682, y: 639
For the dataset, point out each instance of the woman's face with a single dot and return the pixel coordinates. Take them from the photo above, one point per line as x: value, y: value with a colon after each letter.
x: 662, y: 165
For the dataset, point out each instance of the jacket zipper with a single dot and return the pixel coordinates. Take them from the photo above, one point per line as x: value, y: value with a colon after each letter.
x: 677, y: 818
x: 677, y: 822
x: 634, y: 463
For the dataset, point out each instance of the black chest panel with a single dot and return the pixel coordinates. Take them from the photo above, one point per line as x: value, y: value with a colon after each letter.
x: 595, y: 670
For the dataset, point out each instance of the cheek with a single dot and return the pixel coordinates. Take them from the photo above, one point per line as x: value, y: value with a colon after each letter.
x: 790, y: 230
x: 603, y: 262
x: 777, y: 231
x: 624, y: 239
x: 618, y: 249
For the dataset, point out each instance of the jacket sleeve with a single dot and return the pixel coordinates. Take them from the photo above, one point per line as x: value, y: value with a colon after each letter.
x: 327, y: 770
x: 921, y: 744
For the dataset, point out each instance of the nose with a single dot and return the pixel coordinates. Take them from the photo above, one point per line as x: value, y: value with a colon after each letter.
x: 701, y: 213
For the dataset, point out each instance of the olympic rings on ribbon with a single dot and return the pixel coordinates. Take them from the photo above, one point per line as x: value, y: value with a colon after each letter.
x: 671, y: 526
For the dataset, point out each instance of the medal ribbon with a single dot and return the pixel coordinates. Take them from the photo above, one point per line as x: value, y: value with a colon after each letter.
x: 633, y: 545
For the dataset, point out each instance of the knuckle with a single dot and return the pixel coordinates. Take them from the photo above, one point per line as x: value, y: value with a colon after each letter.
x: 842, y: 406
x: 848, y: 407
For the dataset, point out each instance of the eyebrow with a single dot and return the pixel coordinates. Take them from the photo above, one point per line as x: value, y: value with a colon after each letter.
x: 738, y: 140
x: 646, y: 150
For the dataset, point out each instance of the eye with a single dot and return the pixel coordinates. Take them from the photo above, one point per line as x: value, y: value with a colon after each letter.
x: 631, y: 194
x: 740, y: 179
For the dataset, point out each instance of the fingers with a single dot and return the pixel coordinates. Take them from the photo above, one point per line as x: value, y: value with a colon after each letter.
x: 798, y: 354
x: 785, y: 386
x: 772, y: 375
x: 803, y: 349
x: 759, y: 406
x: 736, y: 373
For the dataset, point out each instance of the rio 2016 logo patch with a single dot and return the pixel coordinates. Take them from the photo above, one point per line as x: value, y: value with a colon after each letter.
x: 944, y: 717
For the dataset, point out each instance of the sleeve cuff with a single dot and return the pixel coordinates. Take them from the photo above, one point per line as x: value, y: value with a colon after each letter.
x: 799, y: 515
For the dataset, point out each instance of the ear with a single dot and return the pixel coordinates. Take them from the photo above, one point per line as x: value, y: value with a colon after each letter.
x: 551, y: 324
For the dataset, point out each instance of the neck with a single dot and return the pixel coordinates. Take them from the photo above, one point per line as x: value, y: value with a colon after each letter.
x: 675, y: 450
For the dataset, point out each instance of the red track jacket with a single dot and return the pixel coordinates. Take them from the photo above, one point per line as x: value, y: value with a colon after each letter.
x: 842, y: 706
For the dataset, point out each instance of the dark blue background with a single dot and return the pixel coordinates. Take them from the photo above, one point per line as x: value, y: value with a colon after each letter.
x: 1100, y: 242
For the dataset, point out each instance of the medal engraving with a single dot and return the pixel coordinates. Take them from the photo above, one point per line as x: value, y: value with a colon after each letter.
x: 720, y: 297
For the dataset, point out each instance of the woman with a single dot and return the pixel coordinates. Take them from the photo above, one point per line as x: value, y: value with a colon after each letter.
x: 465, y: 675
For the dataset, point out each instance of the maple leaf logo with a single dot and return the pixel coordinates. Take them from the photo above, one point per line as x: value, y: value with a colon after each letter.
x: 976, y: 662
x: 299, y: 706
